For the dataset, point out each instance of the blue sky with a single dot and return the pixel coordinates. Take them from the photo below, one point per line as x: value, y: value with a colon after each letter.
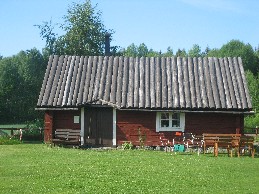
x: 157, y: 23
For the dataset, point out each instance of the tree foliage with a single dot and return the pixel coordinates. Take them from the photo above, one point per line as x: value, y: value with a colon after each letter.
x: 195, y: 51
x: 253, y: 84
x: 143, y: 51
x: 84, y: 32
x: 181, y: 53
x: 20, y: 81
x: 236, y: 48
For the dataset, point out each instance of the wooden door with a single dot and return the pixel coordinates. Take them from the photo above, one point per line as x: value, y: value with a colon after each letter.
x: 98, y: 126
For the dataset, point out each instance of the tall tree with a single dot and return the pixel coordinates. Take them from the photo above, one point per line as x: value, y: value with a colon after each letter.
x: 195, y: 51
x: 84, y: 32
x: 169, y: 52
x: 142, y: 50
x: 20, y: 81
x: 181, y: 53
x: 253, y: 85
x: 236, y: 48
x: 131, y: 51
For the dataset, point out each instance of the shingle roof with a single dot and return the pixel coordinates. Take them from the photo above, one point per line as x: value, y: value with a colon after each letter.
x: 145, y: 83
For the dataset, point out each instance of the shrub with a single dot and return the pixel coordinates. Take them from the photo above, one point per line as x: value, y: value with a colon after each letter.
x: 34, y: 131
x: 4, y: 140
x: 127, y: 146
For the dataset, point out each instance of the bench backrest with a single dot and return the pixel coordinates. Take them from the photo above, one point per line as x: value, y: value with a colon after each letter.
x: 221, y: 135
x: 222, y: 139
x: 67, y: 133
x: 246, y: 140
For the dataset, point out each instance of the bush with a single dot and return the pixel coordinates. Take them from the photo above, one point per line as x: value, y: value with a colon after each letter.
x: 127, y: 146
x: 4, y: 140
x: 32, y: 135
x: 34, y: 131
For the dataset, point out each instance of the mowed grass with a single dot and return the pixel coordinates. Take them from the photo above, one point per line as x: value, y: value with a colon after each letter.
x: 37, y: 168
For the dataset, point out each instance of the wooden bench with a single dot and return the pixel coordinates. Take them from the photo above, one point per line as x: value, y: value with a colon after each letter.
x: 228, y: 141
x: 66, y: 137
x: 247, y: 143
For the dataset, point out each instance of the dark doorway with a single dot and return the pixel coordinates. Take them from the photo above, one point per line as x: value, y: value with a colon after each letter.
x: 98, y: 126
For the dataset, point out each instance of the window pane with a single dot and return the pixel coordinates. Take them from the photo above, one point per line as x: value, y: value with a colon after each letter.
x: 176, y: 123
x: 176, y: 116
x: 165, y: 116
x: 164, y: 123
x: 176, y: 120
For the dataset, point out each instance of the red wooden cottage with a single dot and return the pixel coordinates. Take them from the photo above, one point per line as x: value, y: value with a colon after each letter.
x: 113, y: 99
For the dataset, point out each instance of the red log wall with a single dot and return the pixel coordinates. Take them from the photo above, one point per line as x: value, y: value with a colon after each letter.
x: 199, y: 123
x: 128, y: 123
x: 65, y: 119
x: 48, y: 126
x: 59, y: 120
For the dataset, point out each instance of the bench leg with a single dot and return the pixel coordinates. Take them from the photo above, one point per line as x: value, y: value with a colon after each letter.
x: 216, y: 150
x: 237, y: 151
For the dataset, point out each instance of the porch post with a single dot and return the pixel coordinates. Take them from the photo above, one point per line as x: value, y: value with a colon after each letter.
x: 114, y: 127
x: 82, y: 120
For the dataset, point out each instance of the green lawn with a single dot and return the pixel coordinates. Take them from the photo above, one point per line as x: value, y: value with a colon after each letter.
x: 37, y: 168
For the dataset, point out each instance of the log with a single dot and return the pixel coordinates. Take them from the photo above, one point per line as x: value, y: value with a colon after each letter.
x: 92, y: 79
x: 192, y: 83
x: 147, y: 83
x: 98, y: 77
x: 87, y: 79
x: 164, y: 83
x: 186, y: 83
x: 225, y: 83
x: 67, y: 81
x: 181, y: 82
x: 107, y: 91
x: 240, y: 84
x: 214, y: 86
x: 202, y: 84
x: 103, y: 77
x: 208, y: 83
x: 78, y: 78
x: 74, y: 67
x: 125, y: 82
x: 55, y: 88
x: 176, y: 103
x: 83, y: 62
x: 141, y: 83
x: 169, y: 82
x: 158, y: 82
x: 248, y: 98
x: 119, y: 82
x: 220, y: 84
x: 50, y: 78
x: 230, y: 84
x: 136, y: 83
x: 234, y: 82
x: 197, y: 83
x: 152, y: 83
x: 131, y: 83
x: 115, y: 65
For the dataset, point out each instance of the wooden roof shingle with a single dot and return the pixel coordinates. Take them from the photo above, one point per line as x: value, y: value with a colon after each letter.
x: 145, y: 83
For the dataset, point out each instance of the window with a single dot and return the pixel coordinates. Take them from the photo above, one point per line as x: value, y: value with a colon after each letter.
x: 76, y: 119
x: 170, y: 121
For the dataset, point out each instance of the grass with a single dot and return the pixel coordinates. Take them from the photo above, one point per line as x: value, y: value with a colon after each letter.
x: 37, y: 168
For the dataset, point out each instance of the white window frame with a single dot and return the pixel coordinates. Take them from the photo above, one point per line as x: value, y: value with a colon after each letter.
x: 170, y: 128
